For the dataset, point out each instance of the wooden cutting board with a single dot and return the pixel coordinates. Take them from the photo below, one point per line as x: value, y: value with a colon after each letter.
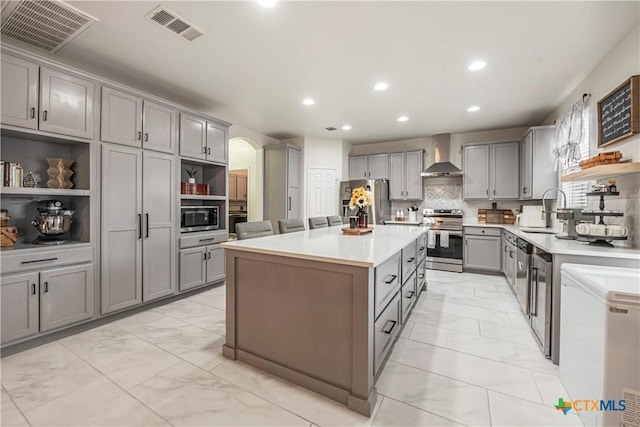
x: 356, y: 231
x: 496, y: 216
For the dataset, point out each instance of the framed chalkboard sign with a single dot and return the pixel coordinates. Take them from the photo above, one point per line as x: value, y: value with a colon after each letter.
x: 619, y: 112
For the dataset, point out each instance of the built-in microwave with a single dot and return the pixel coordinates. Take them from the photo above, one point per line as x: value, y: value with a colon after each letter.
x: 199, y: 218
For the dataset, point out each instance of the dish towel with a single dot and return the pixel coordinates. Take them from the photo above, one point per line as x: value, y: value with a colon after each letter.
x: 431, y: 239
x: 444, y: 239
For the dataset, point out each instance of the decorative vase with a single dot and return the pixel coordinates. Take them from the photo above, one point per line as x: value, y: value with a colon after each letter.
x: 29, y: 181
x: 363, y: 218
x: 59, y: 173
x: 191, y: 180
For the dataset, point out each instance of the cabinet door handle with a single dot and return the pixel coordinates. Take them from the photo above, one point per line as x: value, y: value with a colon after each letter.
x: 33, y: 289
x: 421, y: 248
x: 421, y: 276
x: 289, y: 202
x: 44, y: 116
x: 146, y: 217
x: 146, y: 136
x: 393, y: 325
x: 208, y: 150
x: 209, y: 255
x: 410, y: 260
x: 409, y: 295
x: 487, y: 191
x: 204, y: 150
x: 139, y: 226
x: 207, y: 240
x: 46, y: 287
x: 391, y: 279
x: 494, y: 191
x: 139, y: 135
x: 39, y: 260
x: 33, y: 112
x: 524, y: 189
x: 204, y: 256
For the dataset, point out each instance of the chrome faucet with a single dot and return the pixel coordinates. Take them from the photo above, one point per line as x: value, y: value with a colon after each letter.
x: 557, y: 190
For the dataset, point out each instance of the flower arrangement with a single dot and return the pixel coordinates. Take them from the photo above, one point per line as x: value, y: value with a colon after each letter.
x: 360, y: 199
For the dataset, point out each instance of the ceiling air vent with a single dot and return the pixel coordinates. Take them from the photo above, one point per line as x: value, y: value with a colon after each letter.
x: 174, y: 23
x: 45, y: 24
x: 331, y: 128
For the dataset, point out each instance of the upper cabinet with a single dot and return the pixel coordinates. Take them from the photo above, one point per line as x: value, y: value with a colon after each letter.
x: 375, y: 166
x: 405, y: 182
x: 130, y: 120
x: 536, y: 163
x: 491, y: 171
x: 202, y: 139
x: 66, y: 101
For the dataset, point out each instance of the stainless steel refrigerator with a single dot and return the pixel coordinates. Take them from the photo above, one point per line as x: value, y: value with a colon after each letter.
x: 379, y: 188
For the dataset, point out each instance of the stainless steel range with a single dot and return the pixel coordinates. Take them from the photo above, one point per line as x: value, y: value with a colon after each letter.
x: 444, y: 239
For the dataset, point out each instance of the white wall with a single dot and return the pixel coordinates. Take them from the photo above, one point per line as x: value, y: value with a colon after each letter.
x: 618, y: 65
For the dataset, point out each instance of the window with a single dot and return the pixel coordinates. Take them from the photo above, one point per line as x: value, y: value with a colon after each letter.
x: 576, y: 191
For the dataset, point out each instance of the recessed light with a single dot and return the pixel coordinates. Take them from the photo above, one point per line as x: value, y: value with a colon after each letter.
x: 477, y: 65
x: 473, y: 109
x: 266, y: 3
x: 403, y: 118
x: 381, y: 86
x: 308, y: 101
x: 346, y: 127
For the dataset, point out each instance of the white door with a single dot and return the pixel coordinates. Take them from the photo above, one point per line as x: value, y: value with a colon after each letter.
x: 323, y: 195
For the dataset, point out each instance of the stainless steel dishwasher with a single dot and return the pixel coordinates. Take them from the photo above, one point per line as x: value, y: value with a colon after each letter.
x: 540, y: 299
x: 522, y: 274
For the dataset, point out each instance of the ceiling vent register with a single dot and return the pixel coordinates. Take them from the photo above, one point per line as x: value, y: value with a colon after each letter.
x: 174, y: 23
x: 46, y: 24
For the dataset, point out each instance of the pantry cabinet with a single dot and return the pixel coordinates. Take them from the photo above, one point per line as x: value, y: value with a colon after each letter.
x: 66, y: 102
x: 201, y: 265
x: 405, y: 182
x: 45, y: 300
x: 282, y: 183
x: 375, y: 166
x: 130, y: 120
x: 202, y: 139
x: 138, y: 226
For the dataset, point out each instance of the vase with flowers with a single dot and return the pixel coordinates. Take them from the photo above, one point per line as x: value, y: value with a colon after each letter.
x: 361, y: 199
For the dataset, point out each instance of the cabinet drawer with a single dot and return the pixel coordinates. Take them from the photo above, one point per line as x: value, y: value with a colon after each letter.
x: 17, y: 262
x: 422, y: 247
x: 386, y: 329
x: 409, y: 296
x: 387, y: 282
x: 421, y: 277
x: 483, y: 231
x: 409, y: 260
x: 202, y: 239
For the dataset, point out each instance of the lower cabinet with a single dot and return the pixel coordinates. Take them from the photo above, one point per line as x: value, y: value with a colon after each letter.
x: 201, y: 265
x: 421, y: 280
x: 482, y: 249
x: 385, y: 330
x: 41, y: 301
x: 409, y: 296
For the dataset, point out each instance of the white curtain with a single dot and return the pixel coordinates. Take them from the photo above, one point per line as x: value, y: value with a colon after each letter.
x: 570, y: 134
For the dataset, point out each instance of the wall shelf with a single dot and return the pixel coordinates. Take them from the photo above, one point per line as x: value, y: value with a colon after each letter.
x: 26, y: 191
x: 603, y: 171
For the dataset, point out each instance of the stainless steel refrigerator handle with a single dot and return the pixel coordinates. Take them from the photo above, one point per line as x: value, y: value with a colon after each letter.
x: 533, y: 305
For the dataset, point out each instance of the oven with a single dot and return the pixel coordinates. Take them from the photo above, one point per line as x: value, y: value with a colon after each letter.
x: 441, y: 255
x: 199, y: 218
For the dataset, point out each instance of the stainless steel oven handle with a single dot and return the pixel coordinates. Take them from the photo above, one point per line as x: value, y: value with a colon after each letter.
x: 451, y: 233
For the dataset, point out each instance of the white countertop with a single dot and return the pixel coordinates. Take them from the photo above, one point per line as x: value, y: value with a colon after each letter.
x: 548, y: 243
x: 330, y: 245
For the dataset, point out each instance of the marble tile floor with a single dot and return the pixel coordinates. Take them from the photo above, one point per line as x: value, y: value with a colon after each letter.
x: 465, y: 357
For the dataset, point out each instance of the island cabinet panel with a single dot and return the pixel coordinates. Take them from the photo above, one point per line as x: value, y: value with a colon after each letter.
x: 409, y: 260
x: 387, y: 282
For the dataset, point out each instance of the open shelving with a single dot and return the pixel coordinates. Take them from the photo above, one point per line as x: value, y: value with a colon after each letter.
x: 26, y: 191
x: 603, y: 171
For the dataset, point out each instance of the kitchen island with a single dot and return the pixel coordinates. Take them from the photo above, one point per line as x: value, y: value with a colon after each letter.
x: 323, y: 309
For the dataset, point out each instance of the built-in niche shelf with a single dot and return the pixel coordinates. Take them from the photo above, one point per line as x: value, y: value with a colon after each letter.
x: 26, y: 191
x: 603, y: 171
x: 200, y: 197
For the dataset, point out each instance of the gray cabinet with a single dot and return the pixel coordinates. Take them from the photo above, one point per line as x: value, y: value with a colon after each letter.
x: 282, y: 183
x: 19, y: 301
x: 138, y: 226
x: 66, y: 296
x: 202, y: 139
x: 130, y: 120
x: 41, y: 301
x: 405, y: 182
x: 19, y: 79
x: 475, y: 162
x: 374, y: 166
x: 66, y: 104
x: 65, y: 101
x: 536, y: 164
x: 491, y: 171
x: 482, y: 249
x: 201, y: 265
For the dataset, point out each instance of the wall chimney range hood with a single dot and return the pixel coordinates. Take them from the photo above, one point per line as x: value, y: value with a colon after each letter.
x: 442, y: 167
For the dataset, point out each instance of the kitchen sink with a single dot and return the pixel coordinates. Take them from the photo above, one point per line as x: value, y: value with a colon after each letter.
x: 538, y: 230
